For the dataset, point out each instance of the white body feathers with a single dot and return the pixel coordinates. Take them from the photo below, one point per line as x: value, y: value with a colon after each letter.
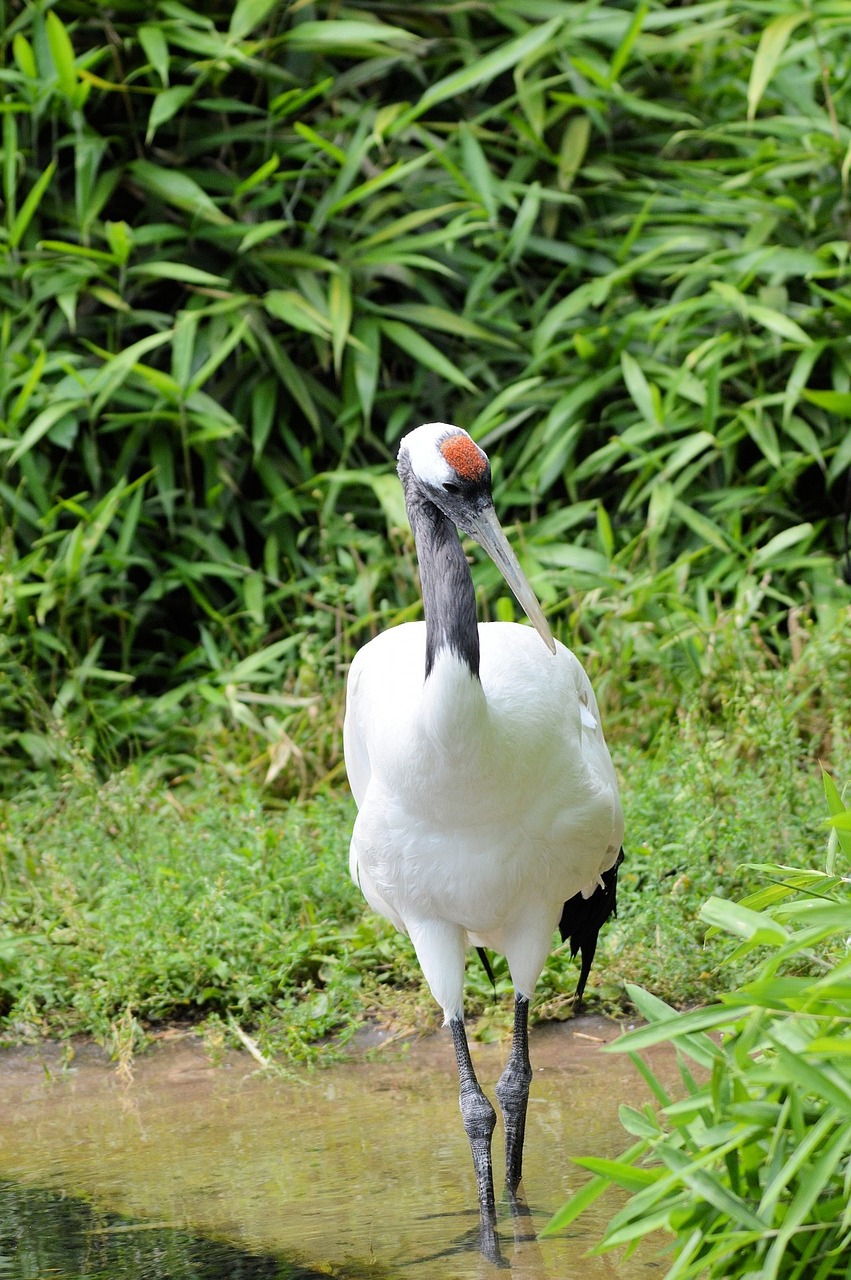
x: 483, y: 804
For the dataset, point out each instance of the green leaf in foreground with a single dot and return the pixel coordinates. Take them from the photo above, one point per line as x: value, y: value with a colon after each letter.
x: 749, y: 1170
x: 177, y: 189
x: 485, y: 68
x: 772, y: 42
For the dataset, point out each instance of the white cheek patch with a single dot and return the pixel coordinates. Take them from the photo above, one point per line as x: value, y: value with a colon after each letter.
x: 422, y: 447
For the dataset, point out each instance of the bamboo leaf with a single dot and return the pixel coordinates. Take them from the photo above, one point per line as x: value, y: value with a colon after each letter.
x: 178, y: 271
x: 399, y: 228
x: 808, y: 1191
x: 772, y: 42
x: 266, y: 658
x: 838, y: 402
x: 179, y: 190
x: 838, y: 812
x: 641, y: 1124
x: 444, y: 321
x: 659, y: 507
x: 761, y: 430
x: 394, y: 174
x: 259, y: 176
x: 366, y: 362
x: 248, y: 14
x: 781, y: 542
x: 166, y: 105
x: 484, y: 68
x: 116, y: 368
x: 262, y: 231
x: 22, y: 51
x: 219, y: 355
x: 685, y: 1027
x: 339, y: 315
x: 753, y: 926
x: 685, y: 452
x: 574, y: 145
x: 705, y: 528
x: 624, y: 49
x: 524, y: 222
x: 28, y: 387
x: 478, y: 171
x: 587, y: 1194
x: 767, y: 317
x: 153, y: 41
x: 291, y: 377
x: 424, y: 353
x: 295, y: 310
x: 711, y: 1190
x: 594, y: 293
x: 10, y: 166
x: 28, y: 209
x: 640, y: 390
x: 345, y: 34
x: 778, y: 323
x: 40, y: 425
x: 619, y: 1172
x: 62, y: 54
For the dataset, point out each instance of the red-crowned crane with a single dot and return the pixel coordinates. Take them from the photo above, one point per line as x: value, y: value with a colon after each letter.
x: 488, y: 804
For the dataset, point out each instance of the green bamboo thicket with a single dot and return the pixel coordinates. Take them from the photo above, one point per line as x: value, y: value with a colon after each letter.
x: 242, y: 250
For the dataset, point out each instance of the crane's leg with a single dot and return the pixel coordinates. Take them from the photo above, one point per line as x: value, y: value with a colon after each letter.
x: 513, y: 1094
x: 479, y: 1122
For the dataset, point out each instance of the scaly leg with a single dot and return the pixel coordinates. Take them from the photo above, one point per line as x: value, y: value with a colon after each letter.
x: 513, y: 1094
x: 479, y: 1121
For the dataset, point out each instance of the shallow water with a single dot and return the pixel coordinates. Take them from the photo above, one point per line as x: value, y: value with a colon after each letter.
x: 356, y: 1169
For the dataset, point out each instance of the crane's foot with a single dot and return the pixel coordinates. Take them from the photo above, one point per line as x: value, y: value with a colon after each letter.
x: 513, y: 1094
x: 489, y: 1242
x: 479, y: 1122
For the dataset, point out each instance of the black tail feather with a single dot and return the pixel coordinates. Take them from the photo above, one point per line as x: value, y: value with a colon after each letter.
x: 486, y: 965
x: 581, y: 922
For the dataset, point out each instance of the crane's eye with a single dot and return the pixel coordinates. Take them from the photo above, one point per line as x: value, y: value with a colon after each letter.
x: 449, y: 487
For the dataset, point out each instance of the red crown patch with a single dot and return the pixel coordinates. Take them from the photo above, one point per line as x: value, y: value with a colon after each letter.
x: 464, y: 456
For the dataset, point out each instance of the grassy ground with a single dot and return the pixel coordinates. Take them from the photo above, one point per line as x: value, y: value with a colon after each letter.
x: 155, y: 895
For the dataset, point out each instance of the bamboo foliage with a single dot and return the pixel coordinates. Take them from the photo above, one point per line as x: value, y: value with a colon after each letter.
x: 749, y: 1171
x: 244, y: 249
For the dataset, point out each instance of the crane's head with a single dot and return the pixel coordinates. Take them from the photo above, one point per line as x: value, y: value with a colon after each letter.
x: 448, y: 468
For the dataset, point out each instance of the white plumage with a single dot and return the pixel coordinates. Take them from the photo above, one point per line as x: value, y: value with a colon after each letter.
x: 486, y: 793
x: 483, y: 804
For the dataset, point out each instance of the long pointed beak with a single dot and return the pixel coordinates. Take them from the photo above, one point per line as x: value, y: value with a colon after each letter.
x: 487, y: 531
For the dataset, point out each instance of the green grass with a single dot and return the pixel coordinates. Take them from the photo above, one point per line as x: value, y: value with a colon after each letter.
x: 141, y: 899
x: 204, y: 896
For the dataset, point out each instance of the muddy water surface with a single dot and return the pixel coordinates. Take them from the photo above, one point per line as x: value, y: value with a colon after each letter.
x: 358, y: 1169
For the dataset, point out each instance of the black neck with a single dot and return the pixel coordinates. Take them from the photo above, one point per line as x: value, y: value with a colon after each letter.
x: 449, y: 599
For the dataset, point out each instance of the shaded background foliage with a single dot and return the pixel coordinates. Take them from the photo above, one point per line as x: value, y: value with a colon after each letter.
x: 243, y: 250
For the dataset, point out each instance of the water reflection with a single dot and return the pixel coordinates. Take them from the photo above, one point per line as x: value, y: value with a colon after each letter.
x: 362, y: 1167
x: 44, y: 1233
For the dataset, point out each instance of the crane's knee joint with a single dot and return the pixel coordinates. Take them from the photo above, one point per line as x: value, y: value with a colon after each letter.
x: 478, y: 1115
x: 513, y: 1085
